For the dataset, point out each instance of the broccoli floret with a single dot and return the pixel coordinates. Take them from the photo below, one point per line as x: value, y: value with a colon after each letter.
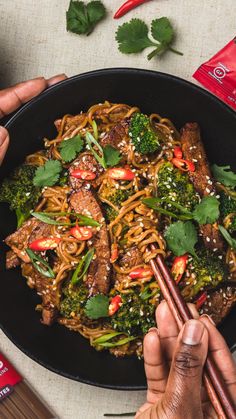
x: 228, y: 206
x: 116, y: 197
x: 19, y: 191
x: 174, y: 185
x: 74, y: 300
x: 135, y: 316
x: 206, y: 271
x: 143, y: 136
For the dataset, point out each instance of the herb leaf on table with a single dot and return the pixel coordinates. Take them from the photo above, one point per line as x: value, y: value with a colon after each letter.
x: 132, y: 37
x: 82, y: 18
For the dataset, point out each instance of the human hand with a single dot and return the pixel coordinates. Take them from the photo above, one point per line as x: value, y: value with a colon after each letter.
x: 15, y: 96
x: 174, y: 365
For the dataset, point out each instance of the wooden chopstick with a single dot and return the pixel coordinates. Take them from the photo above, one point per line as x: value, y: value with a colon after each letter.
x: 167, y: 296
x: 217, y: 391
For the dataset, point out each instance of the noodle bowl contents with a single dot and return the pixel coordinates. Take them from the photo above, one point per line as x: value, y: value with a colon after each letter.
x: 90, y: 205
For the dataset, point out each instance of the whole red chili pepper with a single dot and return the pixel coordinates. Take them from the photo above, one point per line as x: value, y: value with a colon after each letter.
x: 81, y: 233
x: 184, y: 165
x: 127, y: 6
x: 141, y: 273
x: 114, y: 305
x: 45, y: 243
x: 179, y: 267
x: 83, y: 174
x: 178, y: 152
x: 201, y: 300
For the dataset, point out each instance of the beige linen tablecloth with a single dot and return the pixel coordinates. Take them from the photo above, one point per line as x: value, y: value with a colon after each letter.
x: 34, y: 42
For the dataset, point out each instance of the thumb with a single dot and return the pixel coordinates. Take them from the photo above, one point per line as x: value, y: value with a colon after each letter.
x: 183, y: 392
x: 4, y: 142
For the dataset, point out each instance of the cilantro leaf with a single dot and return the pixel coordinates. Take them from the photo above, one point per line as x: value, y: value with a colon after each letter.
x: 227, y: 237
x: 111, y: 155
x: 224, y: 175
x: 207, y: 212
x: 70, y: 148
x: 133, y: 37
x: 96, y: 11
x: 48, y: 174
x: 82, y: 18
x: 162, y: 30
x: 181, y: 238
x: 97, y: 306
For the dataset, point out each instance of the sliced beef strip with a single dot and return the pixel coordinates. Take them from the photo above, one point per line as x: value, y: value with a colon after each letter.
x: 118, y: 136
x: 31, y: 230
x: 220, y: 302
x: 131, y: 258
x: 12, y: 260
x: 201, y: 178
x: 98, y: 278
x: 45, y: 289
x: 84, y: 162
x: 18, y: 241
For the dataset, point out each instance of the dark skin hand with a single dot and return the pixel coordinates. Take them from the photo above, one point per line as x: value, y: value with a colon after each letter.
x: 15, y: 96
x: 174, y: 364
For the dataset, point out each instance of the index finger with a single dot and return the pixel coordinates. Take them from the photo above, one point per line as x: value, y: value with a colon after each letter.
x: 15, y: 96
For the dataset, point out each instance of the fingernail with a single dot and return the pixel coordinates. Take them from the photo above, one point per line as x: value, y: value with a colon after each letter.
x: 205, y: 316
x: 154, y: 329
x: 192, y: 333
x: 51, y: 79
x: 3, y: 135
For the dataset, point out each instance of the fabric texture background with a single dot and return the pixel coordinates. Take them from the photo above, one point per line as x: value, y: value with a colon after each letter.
x: 34, y: 42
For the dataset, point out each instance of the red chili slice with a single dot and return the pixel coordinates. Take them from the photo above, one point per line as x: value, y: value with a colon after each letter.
x: 83, y: 174
x: 178, y: 152
x: 184, y: 165
x: 179, y: 267
x: 201, y: 300
x: 45, y: 243
x: 120, y: 173
x: 141, y: 273
x: 114, y: 305
x: 81, y: 233
x: 114, y: 252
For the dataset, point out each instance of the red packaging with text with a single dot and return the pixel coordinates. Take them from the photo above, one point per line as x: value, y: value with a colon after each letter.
x: 9, y: 377
x: 219, y: 74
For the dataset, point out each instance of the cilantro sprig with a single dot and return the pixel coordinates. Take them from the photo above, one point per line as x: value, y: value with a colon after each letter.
x: 48, y: 174
x: 70, y: 148
x: 181, y: 238
x: 224, y: 175
x: 82, y: 18
x: 132, y: 37
x: 97, y: 307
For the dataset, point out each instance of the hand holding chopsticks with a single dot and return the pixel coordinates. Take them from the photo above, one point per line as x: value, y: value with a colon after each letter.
x: 217, y: 391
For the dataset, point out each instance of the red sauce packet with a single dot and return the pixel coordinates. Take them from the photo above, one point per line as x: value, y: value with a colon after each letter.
x: 219, y: 74
x: 9, y: 377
